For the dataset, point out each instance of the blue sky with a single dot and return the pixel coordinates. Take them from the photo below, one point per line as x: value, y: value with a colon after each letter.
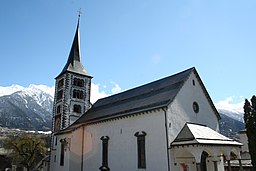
x: 132, y: 42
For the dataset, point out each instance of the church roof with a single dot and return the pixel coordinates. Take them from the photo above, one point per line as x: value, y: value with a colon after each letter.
x: 74, y: 60
x: 200, y: 134
x: 150, y: 96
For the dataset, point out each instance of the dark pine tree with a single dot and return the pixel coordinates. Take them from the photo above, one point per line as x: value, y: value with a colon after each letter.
x: 250, y: 125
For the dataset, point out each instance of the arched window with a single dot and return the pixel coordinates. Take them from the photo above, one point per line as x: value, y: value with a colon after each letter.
x: 78, y: 94
x: 60, y: 83
x: 81, y: 83
x: 204, y: 156
x: 141, y: 149
x: 77, y: 108
x: 57, y: 124
x: 104, y: 166
x: 62, y: 153
x: 59, y: 94
x: 58, y: 109
x: 75, y: 81
x: 74, y: 93
x: 78, y: 82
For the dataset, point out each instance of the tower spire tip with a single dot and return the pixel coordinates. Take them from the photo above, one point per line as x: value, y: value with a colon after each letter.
x: 79, y: 15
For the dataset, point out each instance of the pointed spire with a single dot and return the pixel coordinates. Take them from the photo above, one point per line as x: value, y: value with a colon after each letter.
x: 74, y: 60
x: 79, y: 14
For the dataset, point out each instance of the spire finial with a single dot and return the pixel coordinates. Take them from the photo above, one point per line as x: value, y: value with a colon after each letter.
x: 79, y: 14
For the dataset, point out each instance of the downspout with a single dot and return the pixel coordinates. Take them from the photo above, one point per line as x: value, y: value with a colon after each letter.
x: 82, y: 155
x: 166, y: 134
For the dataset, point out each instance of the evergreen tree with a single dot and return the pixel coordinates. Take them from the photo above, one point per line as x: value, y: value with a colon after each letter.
x: 26, y: 150
x: 250, y: 125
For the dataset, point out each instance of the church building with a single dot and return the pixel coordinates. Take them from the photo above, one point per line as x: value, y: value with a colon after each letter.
x: 167, y: 125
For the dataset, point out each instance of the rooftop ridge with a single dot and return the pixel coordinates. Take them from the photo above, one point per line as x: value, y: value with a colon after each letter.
x: 149, y: 84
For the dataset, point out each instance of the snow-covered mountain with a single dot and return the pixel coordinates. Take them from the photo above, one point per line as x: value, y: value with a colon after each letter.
x: 231, y: 108
x: 232, y: 115
x: 32, y: 89
x: 237, y: 115
x: 27, y: 108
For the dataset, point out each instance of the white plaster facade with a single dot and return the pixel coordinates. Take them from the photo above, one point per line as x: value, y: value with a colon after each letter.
x: 84, y: 148
x: 122, y: 144
x: 181, y: 111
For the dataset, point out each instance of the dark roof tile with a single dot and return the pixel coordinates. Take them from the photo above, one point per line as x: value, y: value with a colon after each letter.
x: 156, y: 94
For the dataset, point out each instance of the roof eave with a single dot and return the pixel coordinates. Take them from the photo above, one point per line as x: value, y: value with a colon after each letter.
x: 115, y: 116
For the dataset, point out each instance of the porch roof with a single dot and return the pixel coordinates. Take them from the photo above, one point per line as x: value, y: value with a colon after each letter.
x: 193, y: 133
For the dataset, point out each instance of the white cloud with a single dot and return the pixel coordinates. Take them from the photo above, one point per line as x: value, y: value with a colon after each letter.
x: 97, y: 93
x: 234, y: 104
x: 116, y: 88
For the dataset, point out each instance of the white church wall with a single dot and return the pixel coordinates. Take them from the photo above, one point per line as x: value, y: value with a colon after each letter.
x: 54, y: 152
x: 72, y: 152
x: 181, y: 110
x: 55, y: 165
x: 181, y: 158
x: 122, y: 144
x: 52, y: 160
x: 76, y: 150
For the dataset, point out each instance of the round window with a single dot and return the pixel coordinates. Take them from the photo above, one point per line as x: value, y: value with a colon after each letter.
x: 195, y: 107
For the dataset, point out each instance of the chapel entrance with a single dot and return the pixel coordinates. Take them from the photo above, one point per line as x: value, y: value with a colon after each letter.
x: 204, y: 156
x: 200, y: 148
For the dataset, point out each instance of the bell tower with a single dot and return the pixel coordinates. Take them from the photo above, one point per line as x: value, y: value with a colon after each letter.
x: 72, y: 89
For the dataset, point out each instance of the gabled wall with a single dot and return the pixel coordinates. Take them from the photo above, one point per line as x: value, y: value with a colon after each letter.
x: 181, y: 110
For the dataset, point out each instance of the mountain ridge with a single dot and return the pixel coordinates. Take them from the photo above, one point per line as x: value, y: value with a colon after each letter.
x: 28, y: 108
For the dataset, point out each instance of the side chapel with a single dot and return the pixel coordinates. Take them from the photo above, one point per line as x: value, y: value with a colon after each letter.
x: 167, y: 125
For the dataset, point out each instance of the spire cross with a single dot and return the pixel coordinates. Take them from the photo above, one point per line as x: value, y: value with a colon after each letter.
x: 79, y: 13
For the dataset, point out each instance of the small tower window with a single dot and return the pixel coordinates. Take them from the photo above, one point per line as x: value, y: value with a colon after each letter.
x: 59, y: 94
x: 78, y: 94
x: 58, y: 109
x: 57, y: 123
x: 61, y: 83
x: 77, y: 108
x: 78, y: 82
